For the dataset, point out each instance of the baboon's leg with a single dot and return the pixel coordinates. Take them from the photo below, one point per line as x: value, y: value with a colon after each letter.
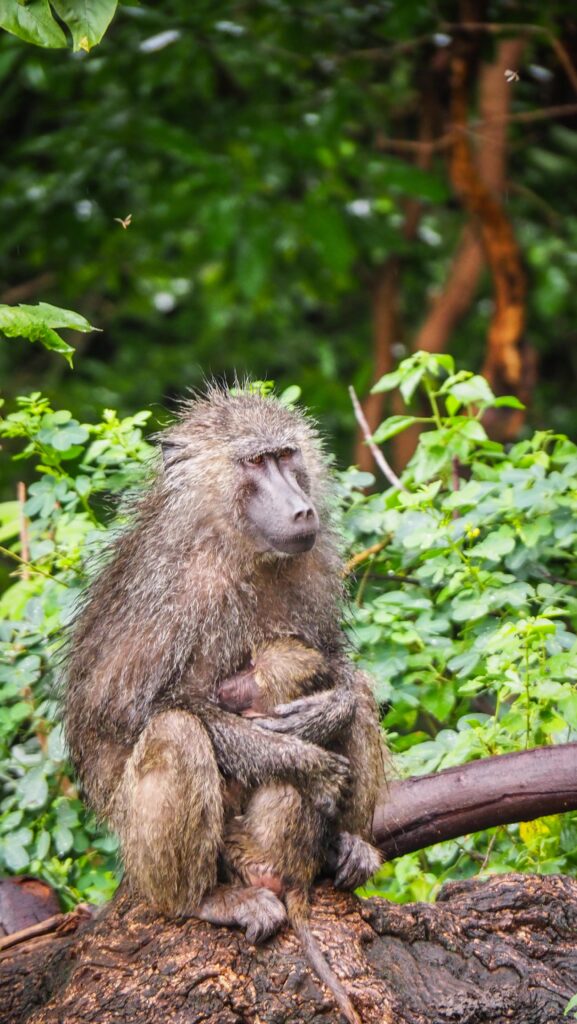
x: 167, y: 810
x: 277, y: 842
x: 352, y: 856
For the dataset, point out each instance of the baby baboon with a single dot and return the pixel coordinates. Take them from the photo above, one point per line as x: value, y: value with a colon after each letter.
x: 229, y: 549
x: 280, y: 839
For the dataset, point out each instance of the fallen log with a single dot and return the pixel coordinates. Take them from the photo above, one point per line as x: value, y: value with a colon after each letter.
x: 487, y: 952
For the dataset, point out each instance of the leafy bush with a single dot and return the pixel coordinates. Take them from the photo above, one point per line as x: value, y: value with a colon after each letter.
x: 466, y: 615
x: 44, y: 828
x: 464, y: 609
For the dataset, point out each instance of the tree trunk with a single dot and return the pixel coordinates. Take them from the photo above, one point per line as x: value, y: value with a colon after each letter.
x: 488, y: 951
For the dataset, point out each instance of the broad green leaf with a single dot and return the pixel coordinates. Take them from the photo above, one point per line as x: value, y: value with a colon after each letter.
x: 410, y: 383
x: 33, y: 22
x: 474, y: 390
x: 9, y: 520
x: 86, y: 19
x: 290, y: 395
x: 63, y: 839
x: 388, y: 382
x: 39, y: 323
x: 439, y: 702
x: 508, y: 402
x: 496, y: 545
x: 14, y: 853
x: 394, y: 425
x: 42, y: 845
x: 33, y: 788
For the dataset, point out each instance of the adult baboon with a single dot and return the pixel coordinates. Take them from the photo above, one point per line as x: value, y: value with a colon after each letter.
x: 230, y: 549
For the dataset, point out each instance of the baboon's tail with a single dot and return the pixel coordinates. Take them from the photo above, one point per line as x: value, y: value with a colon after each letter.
x: 299, y: 917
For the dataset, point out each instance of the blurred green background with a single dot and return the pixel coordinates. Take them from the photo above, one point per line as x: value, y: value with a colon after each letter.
x: 271, y: 157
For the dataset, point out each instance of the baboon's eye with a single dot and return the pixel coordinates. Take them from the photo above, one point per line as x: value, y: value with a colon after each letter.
x: 256, y: 460
x: 286, y: 453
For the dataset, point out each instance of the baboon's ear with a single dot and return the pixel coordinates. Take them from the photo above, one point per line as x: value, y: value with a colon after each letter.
x: 172, y: 451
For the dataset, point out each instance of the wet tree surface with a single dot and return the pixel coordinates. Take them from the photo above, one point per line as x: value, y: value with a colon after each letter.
x: 489, y: 951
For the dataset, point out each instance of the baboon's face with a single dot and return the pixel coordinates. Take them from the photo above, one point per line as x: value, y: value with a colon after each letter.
x: 280, y: 514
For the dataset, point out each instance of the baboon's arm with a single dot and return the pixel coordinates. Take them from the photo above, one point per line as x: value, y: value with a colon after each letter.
x: 323, y: 716
x: 256, y: 757
x: 317, y: 719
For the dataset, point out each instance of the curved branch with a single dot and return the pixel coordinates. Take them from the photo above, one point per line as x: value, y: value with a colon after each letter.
x: 418, y: 812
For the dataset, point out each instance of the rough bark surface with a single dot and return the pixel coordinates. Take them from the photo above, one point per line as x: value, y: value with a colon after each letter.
x: 488, y: 951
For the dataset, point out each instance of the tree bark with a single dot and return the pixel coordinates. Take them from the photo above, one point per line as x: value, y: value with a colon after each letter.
x: 415, y: 813
x: 487, y: 952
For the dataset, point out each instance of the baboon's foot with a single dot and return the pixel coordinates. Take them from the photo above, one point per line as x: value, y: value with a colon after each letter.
x: 353, y: 860
x: 257, y: 910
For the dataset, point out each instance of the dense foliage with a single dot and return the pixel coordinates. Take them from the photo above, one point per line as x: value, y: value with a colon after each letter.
x: 463, y: 608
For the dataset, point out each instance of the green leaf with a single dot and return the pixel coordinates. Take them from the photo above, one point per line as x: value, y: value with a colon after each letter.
x: 474, y: 390
x: 9, y: 520
x: 87, y: 20
x: 33, y: 22
x: 290, y: 395
x: 42, y: 845
x: 497, y: 544
x: 410, y: 383
x: 39, y: 323
x: 394, y: 425
x: 388, y: 382
x: 508, y: 402
x: 439, y: 702
x: 14, y: 851
x: 33, y: 789
x: 63, y: 839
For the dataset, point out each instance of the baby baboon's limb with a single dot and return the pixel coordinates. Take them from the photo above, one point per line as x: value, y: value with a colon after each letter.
x: 167, y: 810
x: 348, y: 712
x: 280, y: 671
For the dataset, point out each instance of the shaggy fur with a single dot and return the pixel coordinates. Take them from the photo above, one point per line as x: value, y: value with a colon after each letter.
x: 179, y: 606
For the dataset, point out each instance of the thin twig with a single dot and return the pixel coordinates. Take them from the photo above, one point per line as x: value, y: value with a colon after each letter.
x: 380, y: 53
x: 473, y: 128
x: 24, y: 548
x: 50, y: 924
x: 375, y: 452
x: 362, y: 556
x: 496, y: 28
x: 28, y: 565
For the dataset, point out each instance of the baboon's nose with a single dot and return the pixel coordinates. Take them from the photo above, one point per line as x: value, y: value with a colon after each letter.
x: 304, y: 514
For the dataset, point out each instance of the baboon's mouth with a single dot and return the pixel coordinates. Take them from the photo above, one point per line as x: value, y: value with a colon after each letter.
x: 294, y: 544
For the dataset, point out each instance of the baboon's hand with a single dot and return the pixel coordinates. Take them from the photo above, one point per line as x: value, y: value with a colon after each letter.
x: 330, y: 785
x: 353, y: 860
x: 317, y: 718
x: 297, y: 717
